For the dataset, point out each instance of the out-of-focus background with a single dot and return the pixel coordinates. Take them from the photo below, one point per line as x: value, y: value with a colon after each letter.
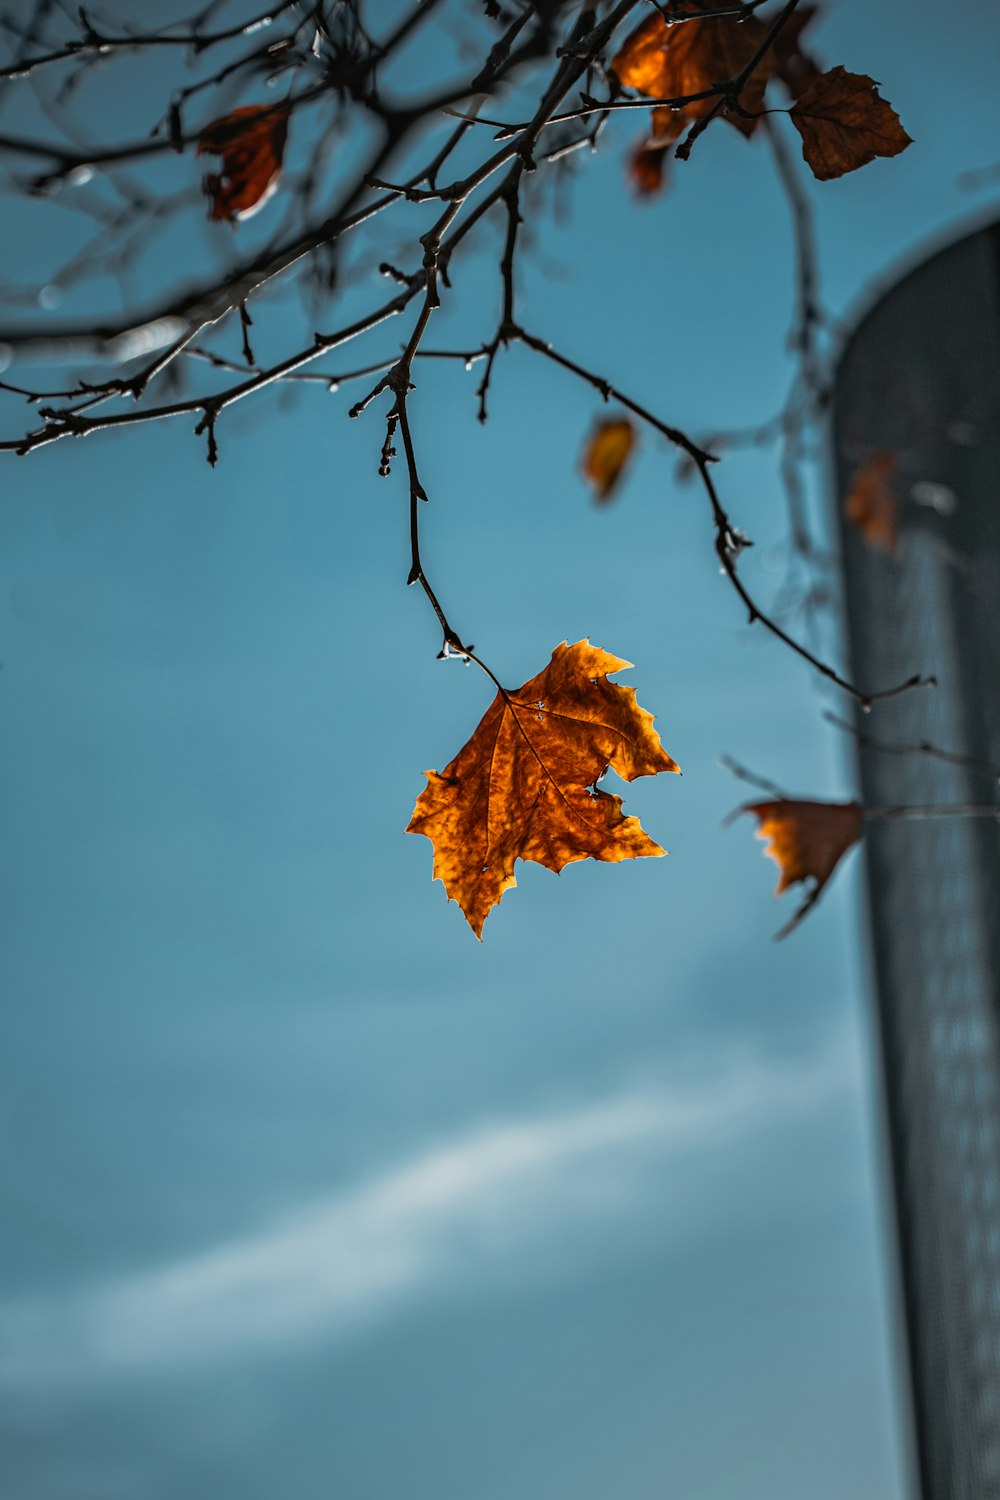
x: 305, y: 1192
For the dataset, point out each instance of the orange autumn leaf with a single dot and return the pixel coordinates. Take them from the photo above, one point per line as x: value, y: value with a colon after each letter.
x: 845, y: 123
x: 525, y: 785
x: 871, y: 505
x: 807, y: 842
x: 251, y: 142
x: 671, y: 62
x: 607, y: 453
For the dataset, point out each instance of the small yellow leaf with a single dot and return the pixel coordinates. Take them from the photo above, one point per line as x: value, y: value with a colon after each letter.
x: 606, y: 455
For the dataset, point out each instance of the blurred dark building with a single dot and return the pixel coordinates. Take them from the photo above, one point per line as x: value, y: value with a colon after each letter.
x: 917, y: 408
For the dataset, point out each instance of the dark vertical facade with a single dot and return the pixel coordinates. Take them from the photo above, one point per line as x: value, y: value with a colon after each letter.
x: 920, y: 380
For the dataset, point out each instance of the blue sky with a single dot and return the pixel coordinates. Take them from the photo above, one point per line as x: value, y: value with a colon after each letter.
x: 305, y: 1191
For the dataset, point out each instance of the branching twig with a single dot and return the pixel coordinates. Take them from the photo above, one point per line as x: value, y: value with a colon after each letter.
x: 348, y: 70
x: 729, y: 97
x: 92, y: 42
x: 752, y: 779
x: 729, y: 541
x: 921, y: 747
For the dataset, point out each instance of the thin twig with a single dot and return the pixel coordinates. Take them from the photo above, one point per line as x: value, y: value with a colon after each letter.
x: 730, y: 96
x: 752, y: 779
x: 932, y: 810
x: 922, y: 747
x: 729, y: 541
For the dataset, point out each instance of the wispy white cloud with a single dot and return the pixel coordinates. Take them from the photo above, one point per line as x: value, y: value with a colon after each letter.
x: 466, y: 1209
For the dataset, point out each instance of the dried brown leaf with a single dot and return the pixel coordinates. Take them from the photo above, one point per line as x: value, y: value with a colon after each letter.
x: 647, y: 164
x: 807, y: 840
x: 647, y: 169
x: 251, y: 142
x: 845, y: 123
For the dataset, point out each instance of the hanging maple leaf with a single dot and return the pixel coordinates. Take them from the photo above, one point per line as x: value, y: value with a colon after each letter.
x: 807, y: 842
x: 251, y: 142
x: 670, y: 62
x: 871, y: 505
x: 606, y: 455
x: 525, y: 785
x: 845, y: 123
